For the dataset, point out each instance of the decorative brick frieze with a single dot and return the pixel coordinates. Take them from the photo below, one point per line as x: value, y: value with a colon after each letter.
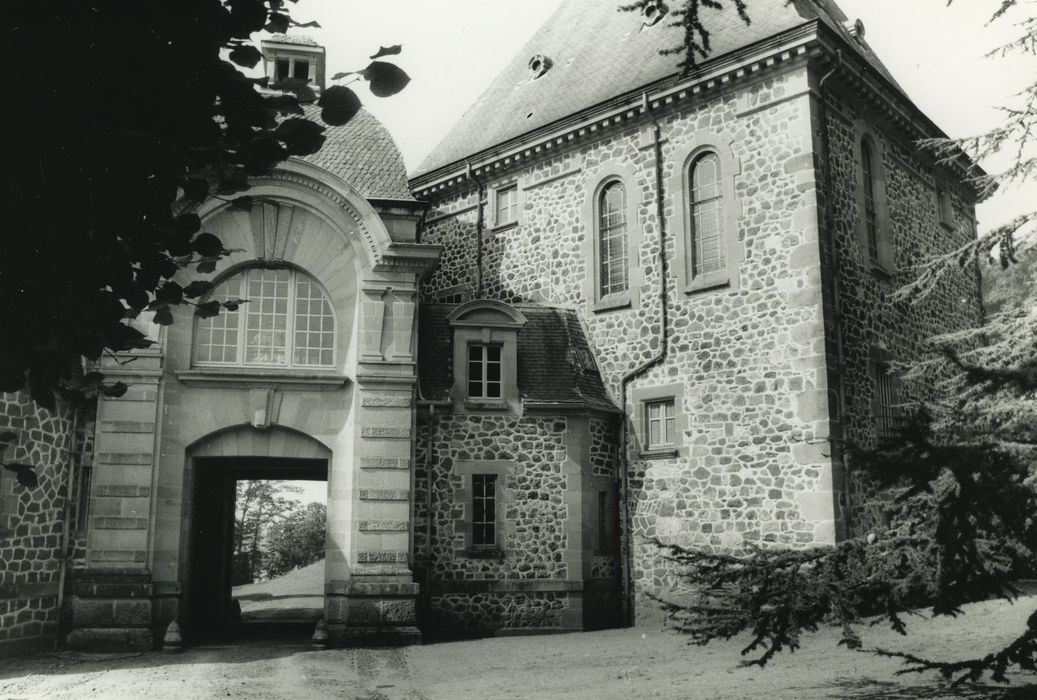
x: 383, y: 463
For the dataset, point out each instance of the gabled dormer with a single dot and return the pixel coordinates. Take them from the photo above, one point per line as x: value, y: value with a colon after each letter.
x: 293, y: 56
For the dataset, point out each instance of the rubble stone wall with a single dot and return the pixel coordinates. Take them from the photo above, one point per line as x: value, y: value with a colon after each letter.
x: 32, y: 522
x: 745, y: 362
x: 869, y: 317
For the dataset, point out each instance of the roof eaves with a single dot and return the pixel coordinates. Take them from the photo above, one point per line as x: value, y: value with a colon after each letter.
x: 719, y: 71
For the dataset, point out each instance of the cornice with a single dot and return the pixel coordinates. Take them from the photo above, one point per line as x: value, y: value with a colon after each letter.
x: 769, y: 55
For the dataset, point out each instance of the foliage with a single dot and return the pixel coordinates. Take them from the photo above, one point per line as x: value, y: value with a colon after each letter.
x: 259, y: 506
x: 963, y: 521
x: 296, y: 541
x: 118, y: 110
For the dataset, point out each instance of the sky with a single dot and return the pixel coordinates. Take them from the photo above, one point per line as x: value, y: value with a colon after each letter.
x: 452, y: 49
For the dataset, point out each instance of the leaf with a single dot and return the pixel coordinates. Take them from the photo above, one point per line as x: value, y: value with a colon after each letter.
x: 164, y: 316
x: 28, y: 478
x: 207, y: 245
x: 234, y: 304
x: 388, y: 51
x: 197, y: 289
x: 208, y: 309
x: 312, y: 23
x: 169, y: 293
x: 246, y: 55
x: 277, y: 23
x: 283, y: 104
x: 114, y: 391
x: 206, y: 266
x: 91, y: 378
x: 196, y: 189
x: 186, y: 223
x: 300, y: 136
x: 386, y: 78
x: 302, y: 89
x: 339, y: 76
x: 261, y: 155
x: 244, y: 203
x: 338, y: 105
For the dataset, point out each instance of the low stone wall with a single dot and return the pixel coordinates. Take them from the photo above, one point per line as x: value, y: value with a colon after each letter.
x: 32, y: 523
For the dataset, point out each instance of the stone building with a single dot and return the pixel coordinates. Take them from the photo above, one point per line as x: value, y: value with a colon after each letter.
x: 617, y: 303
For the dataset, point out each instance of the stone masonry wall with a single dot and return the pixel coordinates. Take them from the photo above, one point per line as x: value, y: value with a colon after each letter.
x: 532, y: 530
x: 868, y: 316
x: 746, y: 363
x: 32, y: 522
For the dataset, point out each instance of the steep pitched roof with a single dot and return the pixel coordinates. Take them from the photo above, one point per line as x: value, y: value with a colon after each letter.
x: 600, y: 53
x: 363, y: 153
x: 555, y: 364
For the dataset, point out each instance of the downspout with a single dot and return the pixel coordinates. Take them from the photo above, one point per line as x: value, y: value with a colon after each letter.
x: 833, y: 261
x: 65, y: 534
x: 627, y: 556
x: 479, y: 224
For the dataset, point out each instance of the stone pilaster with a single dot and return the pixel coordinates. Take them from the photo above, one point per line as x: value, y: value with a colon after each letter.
x: 111, y: 597
x: 370, y: 593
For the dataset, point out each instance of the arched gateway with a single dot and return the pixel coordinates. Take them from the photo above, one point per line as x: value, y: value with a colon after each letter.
x: 315, y: 371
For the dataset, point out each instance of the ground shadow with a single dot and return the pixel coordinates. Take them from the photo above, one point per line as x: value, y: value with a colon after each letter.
x: 868, y: 689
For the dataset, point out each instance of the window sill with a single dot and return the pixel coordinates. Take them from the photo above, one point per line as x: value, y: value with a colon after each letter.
x: 486, y: 405
x: 236, y: 376
x: 485, y: 553
x: 660, y: 453
x: 881, y: 270
x: 708, y: 283
x: 504, y: 227
x: 613, y: 302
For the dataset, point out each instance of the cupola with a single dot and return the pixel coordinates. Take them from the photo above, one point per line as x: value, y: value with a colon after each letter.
x: 293, y: 56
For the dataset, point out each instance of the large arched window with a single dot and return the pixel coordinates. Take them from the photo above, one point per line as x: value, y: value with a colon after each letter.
x: 707, y: 216
x: 612, y: 239
x: 871, y: 216
x: 287, y: 322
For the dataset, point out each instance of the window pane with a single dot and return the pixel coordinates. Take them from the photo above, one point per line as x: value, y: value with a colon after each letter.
x: 314, y: 324
x: 612, y: 239
x: 217, y: 337
x: 707, y: 254
x: 493, y: 390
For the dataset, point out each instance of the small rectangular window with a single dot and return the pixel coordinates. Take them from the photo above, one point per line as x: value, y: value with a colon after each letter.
x: 507, y: 205
x: 660, y: 424
x: 946, y: 210
x: 484, y: 371
x: 888, y: 403
x: 484, y: 511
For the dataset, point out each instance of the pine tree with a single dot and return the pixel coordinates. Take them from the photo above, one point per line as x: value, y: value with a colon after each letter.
x: 963, y: 523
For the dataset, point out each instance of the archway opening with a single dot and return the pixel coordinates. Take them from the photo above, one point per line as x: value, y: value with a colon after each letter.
x: 245, y: 576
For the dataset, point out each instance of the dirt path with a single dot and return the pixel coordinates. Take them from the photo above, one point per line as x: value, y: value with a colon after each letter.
x: 646, y: 662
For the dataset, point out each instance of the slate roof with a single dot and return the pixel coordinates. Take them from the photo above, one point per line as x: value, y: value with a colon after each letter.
x: 363, y: 153
x: 550, y: 369
x: 600, y: 53
x: 297, y: 39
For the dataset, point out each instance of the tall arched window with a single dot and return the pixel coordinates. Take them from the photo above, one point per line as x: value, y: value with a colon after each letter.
x: 287, y: 322
x: 612, y: 239
x: 707, y: 216
x: 871, y: 217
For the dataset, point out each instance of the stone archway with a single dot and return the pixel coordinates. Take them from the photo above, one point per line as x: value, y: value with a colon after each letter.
x: 217, y: 463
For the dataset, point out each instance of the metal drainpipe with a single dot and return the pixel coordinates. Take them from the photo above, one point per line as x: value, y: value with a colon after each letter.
x: 65, y: 553
x: 664, y: 300
x: 479, y: 223
x: 833, y: 256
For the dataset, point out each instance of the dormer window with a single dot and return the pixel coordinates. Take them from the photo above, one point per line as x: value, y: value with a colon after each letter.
x: 653, y: 11
x: 484, y: 371
x: 294, y: 57
x: 485, y: 356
